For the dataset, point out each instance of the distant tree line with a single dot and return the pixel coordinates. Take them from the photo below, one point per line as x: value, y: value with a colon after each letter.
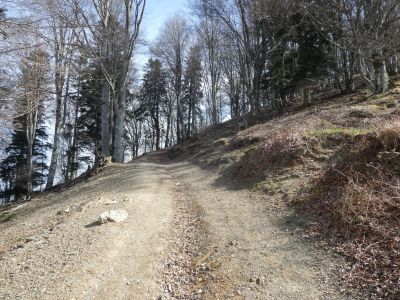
x: 70, y: 93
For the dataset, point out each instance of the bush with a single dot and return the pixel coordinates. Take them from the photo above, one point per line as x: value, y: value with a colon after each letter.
x: 283, y: 148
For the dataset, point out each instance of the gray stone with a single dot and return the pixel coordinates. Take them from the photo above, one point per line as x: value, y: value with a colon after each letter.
x: 260, y: 280
x: 116, y: 216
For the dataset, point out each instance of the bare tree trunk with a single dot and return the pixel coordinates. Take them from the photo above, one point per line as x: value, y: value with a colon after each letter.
x: 158, y: 135
x: 256, y: 93
x: 20, y: 183
x: 74, y: 151
x: 105, y: 119
x: 194, y: 127
x: 62, y: 50
x: 214, y: 81
x: 189, y: 119
x: 167, y: 143
x: 381, y: 75
x: 157, y: 125
x: 169, y: 131
x: 307, y: 98
x: 214, y: 105
x: 119, y: 127
x: 30, y: 136
x: 180, y: 124
x: 56, y: 139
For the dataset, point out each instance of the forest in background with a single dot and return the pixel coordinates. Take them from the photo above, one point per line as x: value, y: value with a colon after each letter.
x: 70, y: 94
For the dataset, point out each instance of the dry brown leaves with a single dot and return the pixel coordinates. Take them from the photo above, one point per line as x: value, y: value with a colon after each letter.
x: 355, y: 206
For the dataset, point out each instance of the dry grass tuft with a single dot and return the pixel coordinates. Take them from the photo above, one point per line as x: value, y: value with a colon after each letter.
x: 282, y: 148
x: 388, y: 132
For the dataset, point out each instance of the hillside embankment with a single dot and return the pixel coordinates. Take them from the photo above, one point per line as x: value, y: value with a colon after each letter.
x: 335, y: 165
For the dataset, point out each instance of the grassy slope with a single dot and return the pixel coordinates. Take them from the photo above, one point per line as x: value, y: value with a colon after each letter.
x: 336, y: 164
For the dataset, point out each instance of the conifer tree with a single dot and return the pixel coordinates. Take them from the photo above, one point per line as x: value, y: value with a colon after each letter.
x: 24, y: 166
x: 153, y: 94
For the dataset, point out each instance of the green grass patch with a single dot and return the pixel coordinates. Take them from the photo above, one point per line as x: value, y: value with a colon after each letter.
x: 222, y: 142
x: 7, y: 217
x: 367, y: 108
x: 326, y: 132
x: 276, y: 184
x: 381, y: 102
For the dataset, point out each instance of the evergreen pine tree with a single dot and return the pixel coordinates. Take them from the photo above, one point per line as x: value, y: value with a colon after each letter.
x: 23, y: 169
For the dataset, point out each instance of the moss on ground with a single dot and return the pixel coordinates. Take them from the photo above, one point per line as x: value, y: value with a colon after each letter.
x: 278, y: 184
x: 222, y: 142
x: 7, y: 217
x: 326, y: 132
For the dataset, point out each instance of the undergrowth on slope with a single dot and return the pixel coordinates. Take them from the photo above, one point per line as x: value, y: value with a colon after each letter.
x: 353, y: 201
x: 337, y: 165
x: 356, y: 205
x: 7, y: 217
x: 281, y: 148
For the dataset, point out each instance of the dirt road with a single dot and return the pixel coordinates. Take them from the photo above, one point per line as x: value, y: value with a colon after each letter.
x: 185, y: 237
x: 62, y: 254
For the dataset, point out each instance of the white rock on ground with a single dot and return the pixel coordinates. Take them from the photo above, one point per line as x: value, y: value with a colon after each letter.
x: 116, y: 216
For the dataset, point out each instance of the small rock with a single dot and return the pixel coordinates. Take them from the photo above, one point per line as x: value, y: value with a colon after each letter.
x: 260, y: 280
x: 204, y: 267
x: 65, y: 211
x: 111, y: 202
x: 116, y: 216
x: 84, y: 206
x: 30, y: 239
x: 233, y: 243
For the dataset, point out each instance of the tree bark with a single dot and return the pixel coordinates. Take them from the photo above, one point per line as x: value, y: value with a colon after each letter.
x: 307, y: 98
x: 56, y: 140
x: 30, y: 136
x: 168, y: 128
x: 105, y: 119
x: 119, y: 128
x: 381, y: 76
x: 180, y: 124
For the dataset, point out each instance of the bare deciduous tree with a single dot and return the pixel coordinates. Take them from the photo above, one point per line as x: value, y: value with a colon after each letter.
x: 371, y: 31
x: 171, y: 47
x: 112, y: 44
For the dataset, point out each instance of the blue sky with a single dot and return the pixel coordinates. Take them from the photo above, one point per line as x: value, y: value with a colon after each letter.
x: 157, y: 11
